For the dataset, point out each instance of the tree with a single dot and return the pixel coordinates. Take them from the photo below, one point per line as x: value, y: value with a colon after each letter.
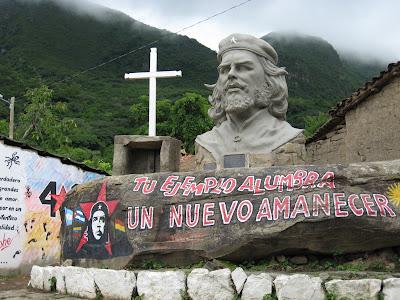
x: 190, y: 119
x: 140, y: 112
x: 4, y: 127
x: 140, y: 116
x: 312, y: 123
x: 43, y: 123
x: 184, y: 119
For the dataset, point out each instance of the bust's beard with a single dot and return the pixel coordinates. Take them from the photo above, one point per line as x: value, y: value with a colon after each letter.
x: 237, y: 103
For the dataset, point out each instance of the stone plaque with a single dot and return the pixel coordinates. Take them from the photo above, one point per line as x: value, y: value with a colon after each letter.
x: 235, y: 161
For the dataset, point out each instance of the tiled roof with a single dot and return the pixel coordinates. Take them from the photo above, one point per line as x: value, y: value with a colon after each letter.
x: 64, y: 160
x: 370, y: 88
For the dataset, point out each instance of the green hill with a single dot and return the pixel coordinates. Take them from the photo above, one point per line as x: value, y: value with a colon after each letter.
x: 318, y: 76
x: 42, y: 43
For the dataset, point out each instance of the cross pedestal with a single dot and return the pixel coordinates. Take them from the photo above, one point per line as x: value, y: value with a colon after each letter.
x: 152, y: 76
x: 139, y: 154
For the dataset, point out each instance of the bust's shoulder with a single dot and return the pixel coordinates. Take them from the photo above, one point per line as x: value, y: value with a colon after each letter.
x: 214, y: 133
x: 206, y: 135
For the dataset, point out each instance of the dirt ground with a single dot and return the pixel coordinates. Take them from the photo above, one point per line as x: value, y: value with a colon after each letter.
x: 16, y: 288
x: 13, y: 283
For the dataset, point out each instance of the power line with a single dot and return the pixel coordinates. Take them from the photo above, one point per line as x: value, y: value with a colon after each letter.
x: 8, y: 102
x: 213, y: 16
x: 151, y: 43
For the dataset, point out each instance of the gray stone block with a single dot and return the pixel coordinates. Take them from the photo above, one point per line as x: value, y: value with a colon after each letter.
x: 114, y: 284
x: 391, y: 289
x: 167, y: 285
x: 239, y: 278
x: 206, y: 285
x: 299, y: 287
x: 79, y: 282
x: 257, y: 286
x: 36, y: 281
x: 366, y: 289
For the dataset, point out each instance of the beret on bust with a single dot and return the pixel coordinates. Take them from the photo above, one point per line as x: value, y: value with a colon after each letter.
x: 239, y: 41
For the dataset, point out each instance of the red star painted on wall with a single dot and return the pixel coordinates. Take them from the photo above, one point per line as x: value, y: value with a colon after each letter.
x: 87, y: 209
x: 59, y: 198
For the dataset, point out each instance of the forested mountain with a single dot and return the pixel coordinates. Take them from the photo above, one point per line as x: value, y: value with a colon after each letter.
x: 43, y: 43
x: 318, y: 77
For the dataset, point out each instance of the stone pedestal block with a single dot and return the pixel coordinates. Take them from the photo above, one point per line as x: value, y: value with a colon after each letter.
x: 138, y: 154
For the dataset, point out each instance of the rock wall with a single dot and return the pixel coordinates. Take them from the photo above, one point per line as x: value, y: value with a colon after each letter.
x: 370, y: 132
x: 331, y: 150
x: 200, y: 284
x: 373, y: 126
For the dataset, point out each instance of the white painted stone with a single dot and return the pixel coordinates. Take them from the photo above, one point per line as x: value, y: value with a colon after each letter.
x: 239, y: 278
x: 58, y: 273
x: 114, y: 284
x: 391, y: 289
x: 47, y: 275
x: 206, y: 285
x: 366, y: 289
x: 36, y: 281
x: 167, y: 285
x: 79, y: 282
x: 257, y: 286
x: 299, y: 287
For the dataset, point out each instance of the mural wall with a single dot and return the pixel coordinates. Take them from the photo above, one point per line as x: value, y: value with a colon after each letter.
x: 32, y: 189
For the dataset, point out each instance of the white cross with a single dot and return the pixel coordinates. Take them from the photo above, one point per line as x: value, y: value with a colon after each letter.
x: 152, y: 75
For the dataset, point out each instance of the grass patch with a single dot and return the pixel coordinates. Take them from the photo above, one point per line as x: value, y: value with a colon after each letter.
x: 53, y: 284
x: 153, y: 265
x: 184, y: 295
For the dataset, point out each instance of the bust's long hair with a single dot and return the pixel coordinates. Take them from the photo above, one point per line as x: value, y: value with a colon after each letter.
x: 273, y: 95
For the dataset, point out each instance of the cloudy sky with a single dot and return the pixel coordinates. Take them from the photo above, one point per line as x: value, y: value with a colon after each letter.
x: 367, y: 28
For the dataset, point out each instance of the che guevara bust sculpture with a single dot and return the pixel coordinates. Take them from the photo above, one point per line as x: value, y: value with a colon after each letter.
x: 249, y: 104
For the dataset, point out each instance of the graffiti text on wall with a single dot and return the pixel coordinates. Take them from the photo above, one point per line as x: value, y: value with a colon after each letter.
x: 292, y: 197
x: 50, y: 197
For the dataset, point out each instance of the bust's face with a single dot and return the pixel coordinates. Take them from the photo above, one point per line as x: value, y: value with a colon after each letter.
x: 240, y: 75
x: 98, y: 224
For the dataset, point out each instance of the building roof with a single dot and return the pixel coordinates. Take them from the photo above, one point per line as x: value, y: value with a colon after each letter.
x: 374, y: 86
x: 63, y: 159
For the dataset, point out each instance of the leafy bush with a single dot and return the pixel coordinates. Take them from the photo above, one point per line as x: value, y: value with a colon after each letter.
x: 314, y: 122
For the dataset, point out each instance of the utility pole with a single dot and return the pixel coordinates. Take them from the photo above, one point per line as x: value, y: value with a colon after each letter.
x: 11, y: 127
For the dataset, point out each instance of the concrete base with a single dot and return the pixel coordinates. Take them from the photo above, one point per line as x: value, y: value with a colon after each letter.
x: 138, y: 154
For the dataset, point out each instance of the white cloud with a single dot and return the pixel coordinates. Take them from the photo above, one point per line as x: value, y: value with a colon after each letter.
x: 367, y: 28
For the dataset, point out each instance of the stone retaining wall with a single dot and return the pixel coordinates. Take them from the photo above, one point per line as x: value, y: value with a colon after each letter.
x: 204, y: 284
x: 331, y: 150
